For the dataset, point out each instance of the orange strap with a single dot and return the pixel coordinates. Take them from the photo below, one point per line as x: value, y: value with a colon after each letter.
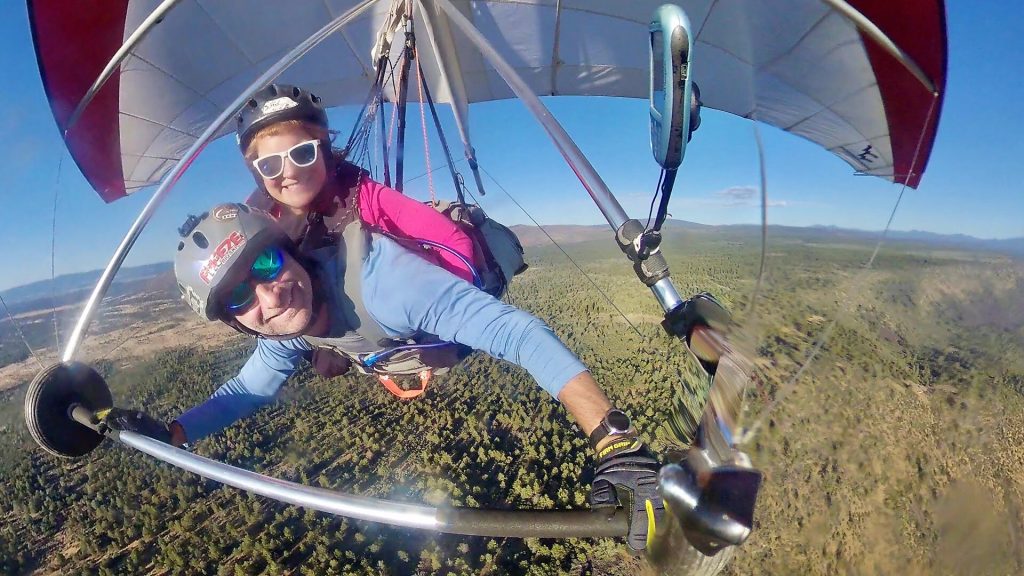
x: 402, y: 393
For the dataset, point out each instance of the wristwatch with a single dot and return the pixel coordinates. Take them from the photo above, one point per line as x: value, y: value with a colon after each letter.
x: 614, y: 422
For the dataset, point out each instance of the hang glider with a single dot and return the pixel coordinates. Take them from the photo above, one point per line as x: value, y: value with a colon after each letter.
x: 139, y: 87
x: 863, y: 79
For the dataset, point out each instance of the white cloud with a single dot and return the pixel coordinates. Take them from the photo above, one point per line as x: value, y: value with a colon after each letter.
x: 737, y: 195
x: 742, y: 196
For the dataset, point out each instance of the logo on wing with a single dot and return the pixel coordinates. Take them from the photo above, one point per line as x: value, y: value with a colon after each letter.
x: 868, y: 155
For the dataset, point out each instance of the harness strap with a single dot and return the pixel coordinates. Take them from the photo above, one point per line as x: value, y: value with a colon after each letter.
x: 385, y: 142
x: 356, y: 248
x: 357, y: 146
x: 402, y: 393
x: 440, y: 134
x: 408, y: 55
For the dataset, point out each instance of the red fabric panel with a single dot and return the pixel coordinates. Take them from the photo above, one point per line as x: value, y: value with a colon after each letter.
x: 918, y: 27
x: 74, y: 41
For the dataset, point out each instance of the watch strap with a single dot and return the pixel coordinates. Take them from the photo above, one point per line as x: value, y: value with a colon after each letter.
x: 623, y: 443
x: 599, y: 433
x: 603, y: 430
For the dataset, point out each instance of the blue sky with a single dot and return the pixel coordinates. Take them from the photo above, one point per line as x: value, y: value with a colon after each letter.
x: 972, y: 185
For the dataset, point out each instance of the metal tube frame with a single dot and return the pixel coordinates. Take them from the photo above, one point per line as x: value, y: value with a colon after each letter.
x: 172, y: 177
x: 595, y: 186
x: 664, y: 290
x: 467, y: 521
x: 156, y: 17
x: 451, y: 74
x: 875, y: 33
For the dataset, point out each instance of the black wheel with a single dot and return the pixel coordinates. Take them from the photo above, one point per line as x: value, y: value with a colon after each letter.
x: 47, y: 408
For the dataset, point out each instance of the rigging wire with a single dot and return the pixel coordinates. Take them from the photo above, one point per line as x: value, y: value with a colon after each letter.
x: 53, y: 253
x: 373, y: 160
x: 426, y: 139
x: 363, y: 136
x: 752, y: 305
x: 363, y: 120
x: 381, y: 138
x: 431, y: 171
x: 784, y: 390
x: 53, y: 302
x: 21, y: 334
x: 562, y: 250
x: 456, y: 176
x: 668, y: 178
x: 387, y: 141
x: 392, y: 122
x: 138, y: 325
x: 384, y: 138
x: 364, y: 132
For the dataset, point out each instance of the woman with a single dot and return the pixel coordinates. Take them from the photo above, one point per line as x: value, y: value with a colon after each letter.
x: 313, y: 192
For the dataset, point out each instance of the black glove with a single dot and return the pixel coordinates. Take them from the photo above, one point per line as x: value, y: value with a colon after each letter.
x: 627, y: 476
x: 138, y: 422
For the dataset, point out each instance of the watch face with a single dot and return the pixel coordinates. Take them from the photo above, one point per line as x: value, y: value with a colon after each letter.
x: 617, y: 421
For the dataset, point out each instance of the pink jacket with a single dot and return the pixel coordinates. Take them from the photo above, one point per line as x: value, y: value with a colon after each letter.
x: 398, y: 214
x: 389, y: 210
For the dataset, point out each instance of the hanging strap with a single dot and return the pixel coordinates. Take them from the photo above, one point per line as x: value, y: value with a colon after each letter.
x: 357, y: 246
x: 440, y: 134
x: 384, y: 144
x: 357, y: 147
x: 408, y: 55
x: 666, y: 194
x: 358, y: 138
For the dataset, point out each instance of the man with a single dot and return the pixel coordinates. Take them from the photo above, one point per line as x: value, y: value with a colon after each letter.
x: 381, y: 306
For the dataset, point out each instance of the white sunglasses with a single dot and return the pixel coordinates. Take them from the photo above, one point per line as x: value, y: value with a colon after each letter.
x: 302, y: 154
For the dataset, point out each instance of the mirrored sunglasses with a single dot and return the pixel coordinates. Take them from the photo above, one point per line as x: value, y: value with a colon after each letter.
x: 266, y: 267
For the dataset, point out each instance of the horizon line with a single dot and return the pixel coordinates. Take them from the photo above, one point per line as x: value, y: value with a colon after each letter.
x: 877, y: 233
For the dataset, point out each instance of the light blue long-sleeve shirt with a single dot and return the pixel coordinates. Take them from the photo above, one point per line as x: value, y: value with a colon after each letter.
x: 407, y: 296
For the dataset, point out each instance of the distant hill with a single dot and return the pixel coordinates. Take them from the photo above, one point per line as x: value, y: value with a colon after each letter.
x: 570, y: 234
x: 532, y: 236
x: 160, y: 276
x: 71, y: 286
x: 1013, y: 246
x: 1010, y: 246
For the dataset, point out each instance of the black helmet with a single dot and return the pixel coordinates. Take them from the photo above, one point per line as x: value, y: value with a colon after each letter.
x: 277, y: 103
x: 212, y: 244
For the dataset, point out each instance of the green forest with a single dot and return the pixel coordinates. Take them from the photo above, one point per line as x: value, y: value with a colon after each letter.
x: 898, y: 448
